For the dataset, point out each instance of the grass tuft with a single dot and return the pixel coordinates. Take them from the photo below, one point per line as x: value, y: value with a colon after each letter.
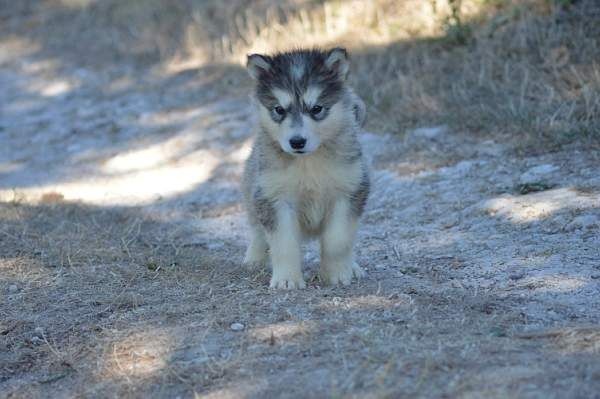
x: 521, y: 71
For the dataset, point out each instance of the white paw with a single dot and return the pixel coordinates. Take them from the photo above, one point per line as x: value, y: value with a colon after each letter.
x: 341, y: 273
x: 287, y: 282
x: 255, y: 259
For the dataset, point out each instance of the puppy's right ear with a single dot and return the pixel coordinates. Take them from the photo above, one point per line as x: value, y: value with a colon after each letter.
x: 337, y: 61
x: 258, y: 64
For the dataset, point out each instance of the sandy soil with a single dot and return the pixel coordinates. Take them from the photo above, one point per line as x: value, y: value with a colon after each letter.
x: 122, y: 235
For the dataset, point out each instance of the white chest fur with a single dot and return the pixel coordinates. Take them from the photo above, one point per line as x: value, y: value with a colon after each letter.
x: 311, y: 184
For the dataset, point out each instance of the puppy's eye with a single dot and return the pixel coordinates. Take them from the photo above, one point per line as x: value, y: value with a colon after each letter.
x: 279, y: 110
x: 316, y: 110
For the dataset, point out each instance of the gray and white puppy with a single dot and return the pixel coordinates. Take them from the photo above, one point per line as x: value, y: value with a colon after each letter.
x: 306, y: 176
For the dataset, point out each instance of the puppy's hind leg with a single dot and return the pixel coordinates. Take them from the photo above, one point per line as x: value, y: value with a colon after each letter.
x: 284, y: 245
x: 337, y: 240
x: 256, y: 254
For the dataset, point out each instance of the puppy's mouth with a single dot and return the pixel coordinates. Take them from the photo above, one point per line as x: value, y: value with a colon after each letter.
x: 299, y: 152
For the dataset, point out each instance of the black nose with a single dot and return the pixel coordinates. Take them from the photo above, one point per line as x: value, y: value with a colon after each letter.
x: 297, y: 142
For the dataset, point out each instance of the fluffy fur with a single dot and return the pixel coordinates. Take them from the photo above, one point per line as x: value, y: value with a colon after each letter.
x: 318, y: 190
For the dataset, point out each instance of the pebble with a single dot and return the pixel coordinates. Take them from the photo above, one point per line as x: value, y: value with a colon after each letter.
x: 427, y: 135
x: 516, y: 276
x: 537, y: 173
x: 237, y: 326
x: 430, y: 133
x: 214, y: 245
x: 13, y: 288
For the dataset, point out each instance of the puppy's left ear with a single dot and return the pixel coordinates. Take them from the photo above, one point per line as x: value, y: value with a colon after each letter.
x: 337, y: 61
x: 258, y: 64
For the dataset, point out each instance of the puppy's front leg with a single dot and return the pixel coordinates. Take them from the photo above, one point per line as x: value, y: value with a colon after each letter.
x: 284, y: 245
x: 256, y: 254
x: 337, y: 240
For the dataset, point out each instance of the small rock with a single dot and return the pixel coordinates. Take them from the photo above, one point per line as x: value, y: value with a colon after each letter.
x: 214, y: 245
x: 13, y: 288
x: 498, y: 331
x: 39, y: 331
x: 450, y: 221
x: 583, y: 222
x: 536, y: 173
x: 426, y: 135
x: 429, y: 132
x: 237, y: 326
x: 456, y: 284
x: 516, y: 276
x: 410, y: 270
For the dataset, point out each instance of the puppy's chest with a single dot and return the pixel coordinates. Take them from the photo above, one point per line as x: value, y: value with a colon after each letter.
x: 312, y: 180
x: 312, y: 185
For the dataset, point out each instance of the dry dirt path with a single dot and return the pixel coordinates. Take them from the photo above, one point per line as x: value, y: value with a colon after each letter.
x: 121, y: 239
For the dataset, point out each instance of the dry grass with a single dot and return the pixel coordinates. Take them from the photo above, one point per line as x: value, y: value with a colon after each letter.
x: 74, y: 235
x: 571, y: 340
x: 109, y: 301
x: 525, y: 71
x: 106, y: 295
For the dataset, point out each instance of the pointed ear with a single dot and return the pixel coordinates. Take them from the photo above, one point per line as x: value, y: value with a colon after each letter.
x: 337, y: 61
x: 258, y: 64
x: 359, y: 108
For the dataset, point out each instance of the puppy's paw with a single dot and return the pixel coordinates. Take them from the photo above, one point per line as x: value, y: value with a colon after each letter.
x: 287, y: 282
x: 255, y: 258
x: 358, y: 271
x: 342, y: 273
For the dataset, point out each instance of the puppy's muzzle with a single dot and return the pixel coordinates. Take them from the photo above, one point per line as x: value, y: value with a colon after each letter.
x: 297, y: 142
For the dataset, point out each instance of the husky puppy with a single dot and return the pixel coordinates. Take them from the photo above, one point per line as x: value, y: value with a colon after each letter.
x: 306, y: 176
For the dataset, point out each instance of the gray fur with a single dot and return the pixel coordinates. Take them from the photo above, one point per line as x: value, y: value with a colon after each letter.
x: 261, y: 210
x: 267, y: 153
x: 281, y: 74
x: 264, y: 210
x: 358, y: 199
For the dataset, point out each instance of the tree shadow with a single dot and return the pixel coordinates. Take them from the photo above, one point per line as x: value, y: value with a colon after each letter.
x: 137, y: 105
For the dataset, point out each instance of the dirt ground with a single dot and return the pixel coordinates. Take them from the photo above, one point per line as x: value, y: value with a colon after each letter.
x: 122, y: 235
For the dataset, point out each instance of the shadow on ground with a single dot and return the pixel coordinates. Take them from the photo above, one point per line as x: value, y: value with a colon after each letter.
x: 109, y: 301
x: 140, y: 293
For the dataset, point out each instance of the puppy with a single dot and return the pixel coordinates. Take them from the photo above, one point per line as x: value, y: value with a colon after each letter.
x: 306, y: 175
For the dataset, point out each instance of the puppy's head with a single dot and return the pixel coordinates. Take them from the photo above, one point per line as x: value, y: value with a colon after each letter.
x: 300, y: 96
